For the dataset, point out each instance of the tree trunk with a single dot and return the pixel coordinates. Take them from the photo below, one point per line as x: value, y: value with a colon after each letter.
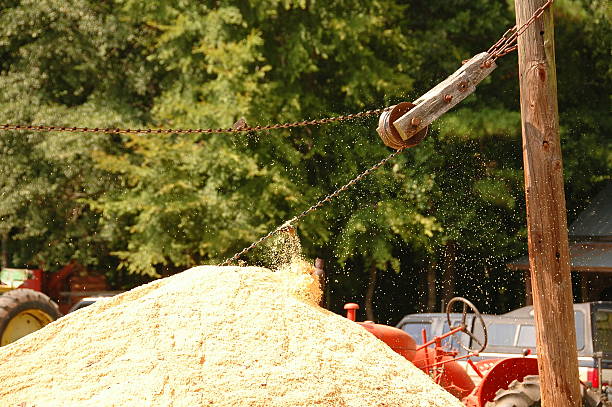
x: 528, y: 291
x: 320, y: 272
x: 431, y: 287
x: 448, y: 276
x: 585, y: 283
x: 369, y: 298
x: 5, y: 259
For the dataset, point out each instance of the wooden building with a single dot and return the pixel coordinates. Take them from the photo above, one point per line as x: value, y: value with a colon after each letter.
x: 590, y: 239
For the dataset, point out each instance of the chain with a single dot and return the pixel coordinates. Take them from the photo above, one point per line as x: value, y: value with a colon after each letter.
x: 508, y: 42
x: 289, y: 223
x: 505, y: 45
x: 239, y: 127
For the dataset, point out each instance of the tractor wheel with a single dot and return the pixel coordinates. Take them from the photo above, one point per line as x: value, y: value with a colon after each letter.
x: 518, y: 394
x: 594, y: 398
x: 23, y: 311
x: 527, y: 394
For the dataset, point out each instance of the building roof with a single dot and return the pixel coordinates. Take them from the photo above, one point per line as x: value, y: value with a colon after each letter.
x: 585, y: 256
x: 595, y: 222
x: 590, y: 237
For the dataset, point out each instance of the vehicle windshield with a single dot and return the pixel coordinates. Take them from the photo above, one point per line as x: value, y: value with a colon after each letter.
x: 415, y: 329
x: 602, y: 334
x: 504, y: 333
x: 527, y: 333
x: 451, y: 343
x: 14, y: 277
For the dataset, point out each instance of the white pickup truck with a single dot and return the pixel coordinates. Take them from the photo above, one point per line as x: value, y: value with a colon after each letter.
x: 513, y: 335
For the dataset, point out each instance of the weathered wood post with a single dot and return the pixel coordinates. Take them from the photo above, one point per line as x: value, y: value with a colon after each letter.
x: 320, y: 272
x: 546, y: 216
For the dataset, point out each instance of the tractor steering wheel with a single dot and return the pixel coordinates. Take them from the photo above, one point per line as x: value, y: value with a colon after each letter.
x: 467, y: 304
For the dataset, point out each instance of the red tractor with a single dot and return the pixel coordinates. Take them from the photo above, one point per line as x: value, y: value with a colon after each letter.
x: 507, y: 382
x: 31, y: 299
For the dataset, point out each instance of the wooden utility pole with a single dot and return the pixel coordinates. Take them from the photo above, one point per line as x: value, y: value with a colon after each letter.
x: 4, y: 245
x: 546, y: 216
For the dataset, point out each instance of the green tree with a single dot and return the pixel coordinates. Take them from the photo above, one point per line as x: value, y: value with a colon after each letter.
x: 280, y: 61
x: 59, y: 66
x: 441, y: 219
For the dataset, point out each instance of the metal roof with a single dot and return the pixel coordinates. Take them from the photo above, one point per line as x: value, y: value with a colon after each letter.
x: 585, y: 256
x: 595, y: 222
x: 590, y: 237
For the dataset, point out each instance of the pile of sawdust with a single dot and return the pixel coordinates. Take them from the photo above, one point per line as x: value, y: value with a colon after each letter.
x: 211, y: 336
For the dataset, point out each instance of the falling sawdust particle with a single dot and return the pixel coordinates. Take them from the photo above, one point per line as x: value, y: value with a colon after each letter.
x: 212, y: 336
x: 284, y: 249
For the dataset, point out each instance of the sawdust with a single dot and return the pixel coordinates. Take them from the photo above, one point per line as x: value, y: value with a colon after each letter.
x: 282, y: 250
x: 212, y: 336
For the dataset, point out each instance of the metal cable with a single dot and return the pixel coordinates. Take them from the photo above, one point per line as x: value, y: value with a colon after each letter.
x: 505, y: 45
x: 508, y: 42
x: 289, y: 223
x: 242, y: 128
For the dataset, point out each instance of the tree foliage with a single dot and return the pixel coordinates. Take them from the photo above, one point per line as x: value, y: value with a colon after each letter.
x: 156, y: 204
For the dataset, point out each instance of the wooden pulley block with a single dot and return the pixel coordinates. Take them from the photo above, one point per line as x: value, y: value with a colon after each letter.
x: 389, y: 134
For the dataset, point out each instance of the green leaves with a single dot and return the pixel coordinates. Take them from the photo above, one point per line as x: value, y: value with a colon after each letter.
x: 156, y: 204
x: 60, y: 69
x: 494, y: 192
x: 185, y: 203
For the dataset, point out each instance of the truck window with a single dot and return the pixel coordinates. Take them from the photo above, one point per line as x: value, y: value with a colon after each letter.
x: 526, y: 336
x: 527, y: 333
x: 415, y: 330
x: 579, y: 321
x: 602, y: 335
x: 501, y: 334
x: 451, y: 343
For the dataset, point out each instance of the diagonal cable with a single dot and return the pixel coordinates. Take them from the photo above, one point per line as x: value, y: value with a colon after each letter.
x: 289, y: 223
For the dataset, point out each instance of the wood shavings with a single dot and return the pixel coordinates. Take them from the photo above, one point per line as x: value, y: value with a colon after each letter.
x: 212, y: 336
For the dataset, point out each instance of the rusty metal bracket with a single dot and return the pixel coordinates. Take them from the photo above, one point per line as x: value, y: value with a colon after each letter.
x: 444, y: 96
x: 390, y: 135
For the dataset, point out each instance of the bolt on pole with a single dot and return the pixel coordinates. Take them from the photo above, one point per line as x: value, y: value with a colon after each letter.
x: 549, y: 260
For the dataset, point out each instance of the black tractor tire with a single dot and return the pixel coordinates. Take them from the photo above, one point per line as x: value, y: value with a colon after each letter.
x: 594, y: 398
x: 518, y: 394
x: 23, y: 311
x: 527, y: 394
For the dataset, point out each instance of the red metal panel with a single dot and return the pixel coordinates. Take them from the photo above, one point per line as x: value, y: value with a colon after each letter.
x: 499, y: 376
x: 35, y: 282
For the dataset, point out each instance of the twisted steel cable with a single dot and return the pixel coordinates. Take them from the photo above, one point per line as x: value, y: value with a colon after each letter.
x: 327, y: 199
